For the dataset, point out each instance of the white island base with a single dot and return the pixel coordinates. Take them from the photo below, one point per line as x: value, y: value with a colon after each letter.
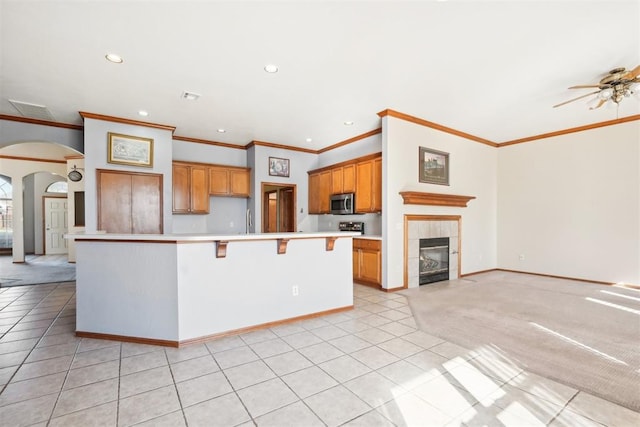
x: 178, y: 289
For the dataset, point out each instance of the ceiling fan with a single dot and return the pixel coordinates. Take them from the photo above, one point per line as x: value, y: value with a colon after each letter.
x: 615, y: 86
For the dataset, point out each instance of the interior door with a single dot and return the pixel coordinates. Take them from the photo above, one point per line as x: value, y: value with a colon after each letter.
x: 55, y: 225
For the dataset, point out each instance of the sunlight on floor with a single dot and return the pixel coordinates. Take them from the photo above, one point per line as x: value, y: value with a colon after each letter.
x: 621, y: 295
x: 578, y: 344
x: 612, y: 305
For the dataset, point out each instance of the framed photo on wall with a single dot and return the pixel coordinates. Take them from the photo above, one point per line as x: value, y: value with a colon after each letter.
x: 433, y: 166
x: 278, y: 167
x: 130, y: 150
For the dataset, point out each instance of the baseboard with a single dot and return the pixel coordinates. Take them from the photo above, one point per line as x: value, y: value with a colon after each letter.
x: 199, y: 340
x: 478, y: 272
x: 597, y: 282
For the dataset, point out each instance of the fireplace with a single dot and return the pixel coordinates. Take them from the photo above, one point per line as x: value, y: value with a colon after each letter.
x: 433, y: 260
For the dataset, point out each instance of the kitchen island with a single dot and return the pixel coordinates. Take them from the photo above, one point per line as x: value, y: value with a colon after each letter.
x: 182, y: 288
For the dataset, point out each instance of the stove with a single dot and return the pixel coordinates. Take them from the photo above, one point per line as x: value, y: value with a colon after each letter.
x: 351, y: 226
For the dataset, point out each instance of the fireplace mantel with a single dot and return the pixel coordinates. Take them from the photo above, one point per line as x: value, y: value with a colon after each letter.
x: 435, y: 199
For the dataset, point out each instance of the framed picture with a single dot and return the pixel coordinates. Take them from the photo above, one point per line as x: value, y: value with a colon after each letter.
x: 278, y: 167
x: 130, y: 150
x: 433, y: 166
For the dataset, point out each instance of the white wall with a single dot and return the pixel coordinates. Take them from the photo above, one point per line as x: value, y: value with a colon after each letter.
x: 571, y: 205
x: 96, y: 142
x: 299, y: 164
x: 363, y: 147
x: 472, y: 173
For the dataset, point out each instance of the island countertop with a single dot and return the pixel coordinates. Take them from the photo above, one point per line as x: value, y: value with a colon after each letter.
x: 208, y: 237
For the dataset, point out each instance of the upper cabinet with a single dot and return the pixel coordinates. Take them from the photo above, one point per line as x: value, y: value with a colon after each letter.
x: 369, y: 186
x: 343, y: 179
x: 362, y: 176
x: 190, y: 188
x: 229, y: 181
x: 319, y: 192
x: 193, y: 183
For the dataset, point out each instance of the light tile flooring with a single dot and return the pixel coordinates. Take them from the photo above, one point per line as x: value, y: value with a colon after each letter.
x: 366, y: 367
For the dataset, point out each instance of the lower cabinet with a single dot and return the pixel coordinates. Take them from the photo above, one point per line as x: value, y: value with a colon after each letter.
x: 367, y: 262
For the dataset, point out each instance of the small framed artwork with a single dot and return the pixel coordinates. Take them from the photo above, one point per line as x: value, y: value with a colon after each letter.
x: 433, y: 166
x: 130, y: 150
x: 278, y: 167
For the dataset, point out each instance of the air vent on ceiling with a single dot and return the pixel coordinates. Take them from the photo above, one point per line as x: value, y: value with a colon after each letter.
x: 190, y: 96
x: 33, y: 111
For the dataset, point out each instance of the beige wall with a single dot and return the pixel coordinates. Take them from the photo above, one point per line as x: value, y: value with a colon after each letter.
x: 571, y: 205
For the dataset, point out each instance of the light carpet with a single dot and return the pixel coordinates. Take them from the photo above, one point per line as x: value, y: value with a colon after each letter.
x: 581, y: 334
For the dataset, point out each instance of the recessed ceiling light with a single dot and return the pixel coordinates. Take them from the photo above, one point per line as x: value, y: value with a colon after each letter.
x: 221, y: 130
x: 271, y: 68
x: 348, y: 123
x: 143, y: 113
x: 190, y: 96
x: 309, y: 140
x: 112, y: 57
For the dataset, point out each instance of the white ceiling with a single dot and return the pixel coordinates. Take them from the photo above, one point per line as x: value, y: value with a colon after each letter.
x: 492, y: 69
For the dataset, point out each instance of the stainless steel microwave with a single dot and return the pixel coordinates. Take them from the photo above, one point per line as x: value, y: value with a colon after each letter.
x: 343, y: 204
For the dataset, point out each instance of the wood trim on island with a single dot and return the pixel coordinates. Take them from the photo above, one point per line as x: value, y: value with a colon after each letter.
x: 435, y: 199
x: 221, y: 248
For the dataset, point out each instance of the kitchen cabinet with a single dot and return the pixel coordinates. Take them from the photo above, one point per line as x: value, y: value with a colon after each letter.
x: 369, y: 186
x: 129, y: 202
x: 319, y: 192
x: 190, y: 188
x: 229, y: 181
x: 367, y: 262
x: 343, y: 179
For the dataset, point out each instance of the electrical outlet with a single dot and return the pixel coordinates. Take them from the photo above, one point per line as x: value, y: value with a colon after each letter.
x: 294, y: 291
x: 521, y: 257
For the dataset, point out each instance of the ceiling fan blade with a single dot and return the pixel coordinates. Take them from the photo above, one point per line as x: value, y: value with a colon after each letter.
x: 632, y: 74
x: 583, y: 86
x: 602, y: 101
x: 575, y: 99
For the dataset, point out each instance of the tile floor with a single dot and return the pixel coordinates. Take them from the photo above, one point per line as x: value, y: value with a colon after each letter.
x: 366, y: 367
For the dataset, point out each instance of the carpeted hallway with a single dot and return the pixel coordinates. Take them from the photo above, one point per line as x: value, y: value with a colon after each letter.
x: 36, y: 269
x: 581, y: 334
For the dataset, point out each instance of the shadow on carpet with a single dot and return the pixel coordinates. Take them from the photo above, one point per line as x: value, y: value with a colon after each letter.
x: 583, y: 335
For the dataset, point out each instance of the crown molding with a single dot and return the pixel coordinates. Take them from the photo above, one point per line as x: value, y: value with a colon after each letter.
x: 284, y: 147
x: 32, y: 159
x: 40, y: 122
x: 208, y: 142
x: 436, y: 126
x: 350, y: 140
x: 571, y: 130
x: 102, y: 117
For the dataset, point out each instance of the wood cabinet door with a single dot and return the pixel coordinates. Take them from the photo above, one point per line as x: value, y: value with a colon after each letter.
x: 336, y: 181
x: 199, y: 189
x: 129, y: 202
x: 146, y: 204
x: 349, y: 179
x: 240, y: 182
x: 314, y: 193
x: 114, y: 202
x: 181, y: 190
x: 325, y: 191
x: 218, y: 181
x: 376, y: 185
x: 356, y: 263
x: 370, y: 265
x: 364, y: 174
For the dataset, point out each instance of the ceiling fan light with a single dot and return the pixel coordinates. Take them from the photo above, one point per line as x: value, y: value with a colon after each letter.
x: 593, y: 102
x: 605, y: 93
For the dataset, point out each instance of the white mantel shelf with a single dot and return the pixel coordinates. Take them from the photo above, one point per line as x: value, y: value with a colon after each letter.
x: 435, y: 199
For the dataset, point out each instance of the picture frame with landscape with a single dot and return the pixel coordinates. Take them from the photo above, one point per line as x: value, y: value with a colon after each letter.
x: 278, y: 167
x: 130, y: 150
x: 433, y: 166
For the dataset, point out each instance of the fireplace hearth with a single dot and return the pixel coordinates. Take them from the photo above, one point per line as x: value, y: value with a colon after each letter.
x: 433, y: 260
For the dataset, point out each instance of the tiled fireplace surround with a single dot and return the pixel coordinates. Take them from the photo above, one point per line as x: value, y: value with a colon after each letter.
x: 418, y: 227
